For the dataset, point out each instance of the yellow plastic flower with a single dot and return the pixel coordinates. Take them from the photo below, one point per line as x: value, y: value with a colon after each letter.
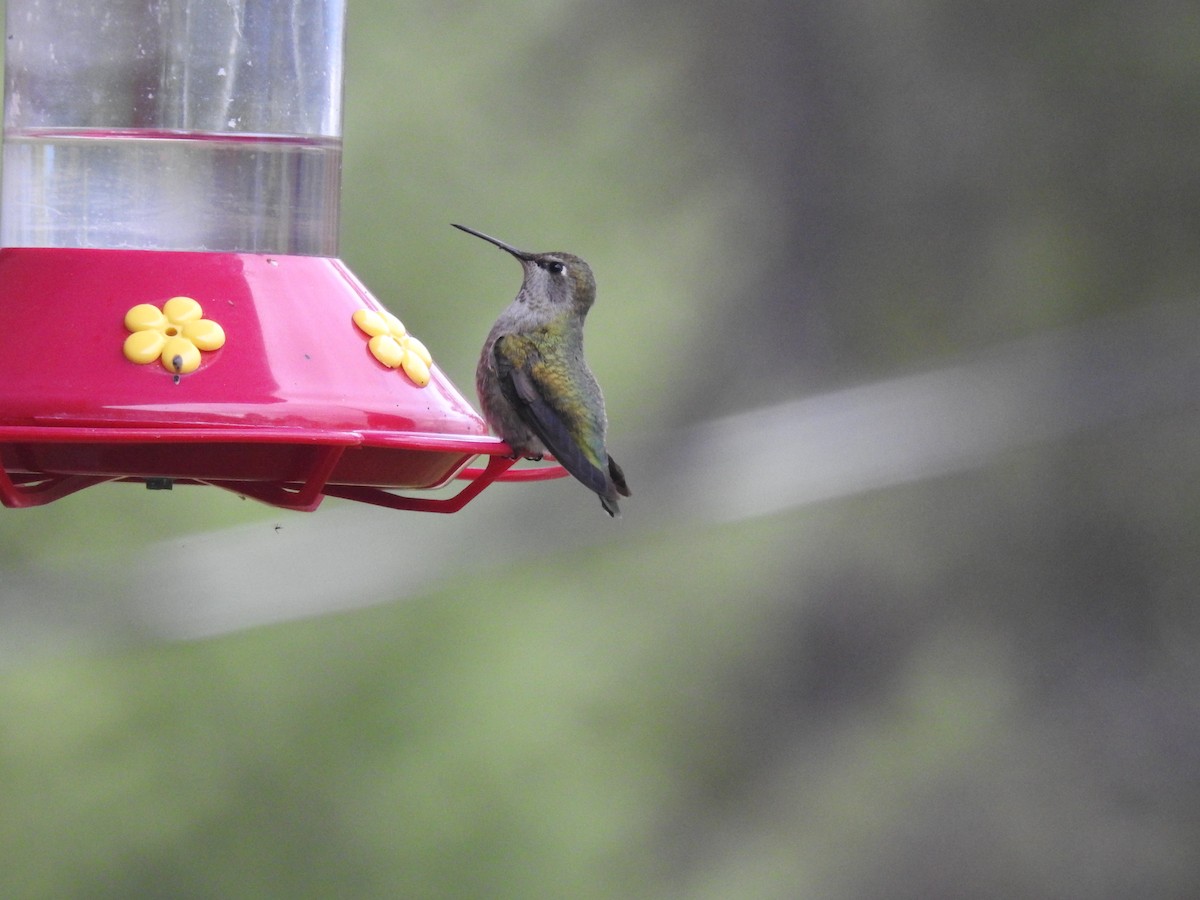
x: 393, y: 346
x: 174, y: 334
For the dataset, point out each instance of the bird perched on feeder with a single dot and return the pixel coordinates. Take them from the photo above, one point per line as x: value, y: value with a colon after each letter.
x: 536, y: 390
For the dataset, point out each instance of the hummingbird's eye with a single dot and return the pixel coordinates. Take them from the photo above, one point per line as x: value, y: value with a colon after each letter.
x: 554, y: 267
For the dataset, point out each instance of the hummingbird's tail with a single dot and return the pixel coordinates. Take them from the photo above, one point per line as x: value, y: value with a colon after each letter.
x: 617, y: 486
x: 618, y: 477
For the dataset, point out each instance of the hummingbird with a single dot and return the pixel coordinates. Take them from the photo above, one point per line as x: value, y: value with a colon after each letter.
x: 536, y: 390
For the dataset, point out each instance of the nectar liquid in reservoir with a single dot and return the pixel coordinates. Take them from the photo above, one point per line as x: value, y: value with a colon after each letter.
x: 173, y: 125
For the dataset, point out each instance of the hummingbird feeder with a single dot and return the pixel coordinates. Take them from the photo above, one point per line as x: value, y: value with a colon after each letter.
x: 172, y: 308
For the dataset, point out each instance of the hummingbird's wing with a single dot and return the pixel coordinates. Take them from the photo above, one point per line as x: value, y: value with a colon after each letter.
x: 567, y: 432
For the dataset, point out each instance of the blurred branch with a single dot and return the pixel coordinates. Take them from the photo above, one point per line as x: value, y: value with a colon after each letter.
x: 1043, y: 388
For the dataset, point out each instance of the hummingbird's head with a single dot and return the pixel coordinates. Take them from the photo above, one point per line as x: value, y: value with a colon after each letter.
x: 560, y: 280
x: 554, y: 281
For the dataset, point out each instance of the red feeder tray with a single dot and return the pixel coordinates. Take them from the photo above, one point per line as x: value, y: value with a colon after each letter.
x: 292, y: 407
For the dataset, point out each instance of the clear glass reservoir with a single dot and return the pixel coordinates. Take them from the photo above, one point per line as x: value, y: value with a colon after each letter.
x: 173, y: 125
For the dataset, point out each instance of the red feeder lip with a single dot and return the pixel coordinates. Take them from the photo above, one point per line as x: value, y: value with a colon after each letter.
x: 281, y: 378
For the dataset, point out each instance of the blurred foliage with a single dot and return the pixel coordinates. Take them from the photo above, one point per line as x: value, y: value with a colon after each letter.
x: 984, y: 685
x: 470, y: 744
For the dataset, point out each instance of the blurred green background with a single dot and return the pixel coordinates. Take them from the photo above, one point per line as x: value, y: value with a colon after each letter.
x: 961, y: 661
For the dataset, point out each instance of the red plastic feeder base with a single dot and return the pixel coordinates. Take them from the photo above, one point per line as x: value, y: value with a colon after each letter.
x: 287, y: 403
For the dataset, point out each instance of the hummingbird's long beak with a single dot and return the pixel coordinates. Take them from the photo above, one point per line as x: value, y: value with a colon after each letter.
x: 519, y: 254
